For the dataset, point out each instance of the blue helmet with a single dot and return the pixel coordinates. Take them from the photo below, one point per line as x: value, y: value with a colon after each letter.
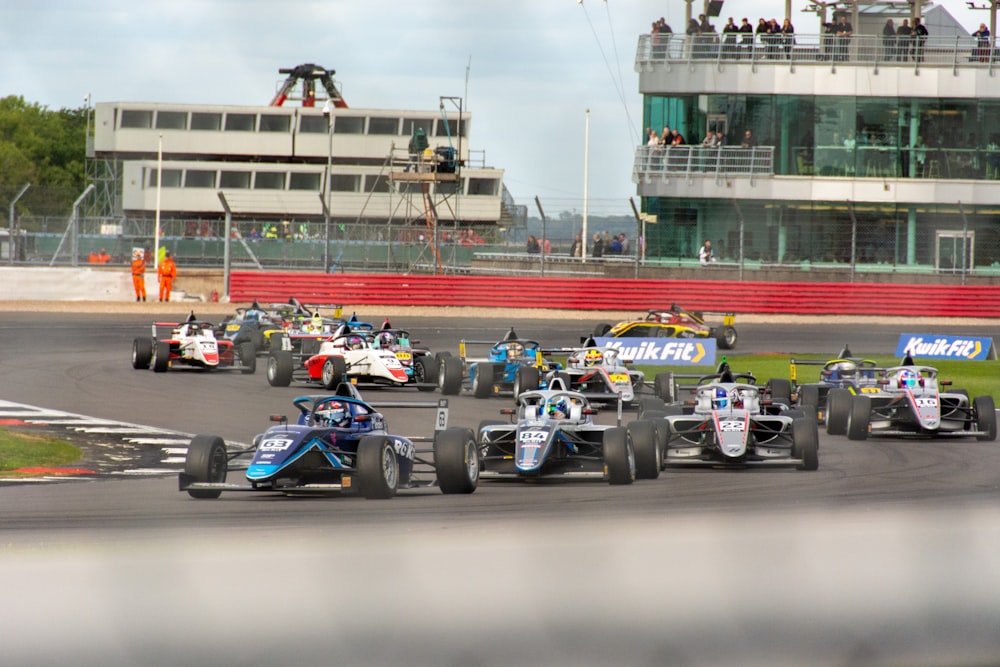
x: 721, y: 399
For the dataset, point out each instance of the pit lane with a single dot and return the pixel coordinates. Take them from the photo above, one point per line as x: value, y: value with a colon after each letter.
x: 887, y: 554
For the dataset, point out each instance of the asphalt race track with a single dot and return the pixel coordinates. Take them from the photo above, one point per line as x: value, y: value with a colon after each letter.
x: 889, y: 554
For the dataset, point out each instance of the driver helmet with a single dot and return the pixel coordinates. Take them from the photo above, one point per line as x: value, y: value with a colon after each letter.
x: 354, y: 343
x: 559, y: 409
x: 593, y: 358
x: 385, y: 339
x: 846, y: 369
x: 908, y: 379
x: 513, y: 350
x: 194, y: 329
x: 333, y: 413
x: 721, y: 398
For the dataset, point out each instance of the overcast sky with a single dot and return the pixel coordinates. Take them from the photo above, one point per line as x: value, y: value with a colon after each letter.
x: 534, y: 67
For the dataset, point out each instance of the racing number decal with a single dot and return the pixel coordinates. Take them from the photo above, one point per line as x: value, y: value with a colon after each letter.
x: 442, y: 418
x: 733, y: 425
x: 275, y: 445
x: 925, y: 402
x: 533, y: 436
x: 286, y: 344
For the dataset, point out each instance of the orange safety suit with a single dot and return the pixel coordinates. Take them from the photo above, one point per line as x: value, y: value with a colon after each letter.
x: 167, y: 272
x: 139, y: 278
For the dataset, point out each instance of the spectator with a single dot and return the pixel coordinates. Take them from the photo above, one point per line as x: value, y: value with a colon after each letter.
x: 920, y: 35
x: 843, y: 30
x: 904, y: 41
x: 576, y: 250
x: 705, y: 255
x: 720, y: 139
x: 546, y: 246
x: 677, y: 138
x: 889, y: 40
x: 139, y: 275
x: 748, y: 140
x: 661, y: 38
x: 730, y: 32
x: 598, y: 249
x: 788, y: 38
x: 533, y: 247
x: 982, y: 51
x: 746, y: 39
x: 616, y: 246
x: 607, y: 242
x: 623, y: 242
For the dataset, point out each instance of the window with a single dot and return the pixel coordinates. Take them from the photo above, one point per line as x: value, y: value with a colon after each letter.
x: 411, y: 124
x: 312, y: 124
x: 449, y: 129
x: 447, y: 188
x: 136, y: 118
x: 171, y: 178
x: 275, y: 123
x: 349, y: 125
x: 269, y: 180
x: 206, y: 121
x: 240, y: 122
x: 194, y: 178
x: 383, y: 125
x: 235, y: 180
x: 483, y: 186
x: 376, y: 183
x: 171, y: 120
x: 344, y: 182
x: 297, y: 181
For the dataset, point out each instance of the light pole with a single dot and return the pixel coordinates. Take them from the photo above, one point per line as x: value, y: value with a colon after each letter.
x: 328, y: 114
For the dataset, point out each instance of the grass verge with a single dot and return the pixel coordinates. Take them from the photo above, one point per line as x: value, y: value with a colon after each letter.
x: 27, y: 450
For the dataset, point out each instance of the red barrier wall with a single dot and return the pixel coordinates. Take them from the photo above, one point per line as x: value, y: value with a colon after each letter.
x: 618, y: 294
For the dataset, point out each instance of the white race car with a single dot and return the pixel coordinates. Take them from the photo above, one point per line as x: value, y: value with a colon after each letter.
x: 191, y: 343
x: 599, y: 373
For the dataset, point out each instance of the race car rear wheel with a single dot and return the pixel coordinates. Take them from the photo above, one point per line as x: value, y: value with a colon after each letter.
x: 279, y: 368
x: 838, y: 409
x: 601, y: 330
x: 142, y: 352
x: 525, y: 379
x: 334, y: 369
x: 859, y: 417
x: 619, y: 457
x: 248, y: 358
x: 662, y: 386
x: 986, y: 417
x: 161, y: 356
x: 206, y: 461
x: 439, y: 357
x: 482, y: 380
x: 805, y: 442
x: 780, y: 390
x: 424, y: 373
x: 456, y: 460
x: 725, y: 337
x: 809, y: 396
x: 646, y: 445
x: 450, y: 375
x: 378, y: 469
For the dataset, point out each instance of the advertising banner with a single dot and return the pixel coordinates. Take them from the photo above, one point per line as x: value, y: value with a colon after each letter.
x: 663, y: 351
x: 932, y: 346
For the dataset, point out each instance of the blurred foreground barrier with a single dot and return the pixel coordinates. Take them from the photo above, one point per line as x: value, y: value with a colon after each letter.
x: 618, y: 294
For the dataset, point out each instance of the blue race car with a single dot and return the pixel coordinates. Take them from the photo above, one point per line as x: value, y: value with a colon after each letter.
x: 512, y: 365
x: 338, y: 444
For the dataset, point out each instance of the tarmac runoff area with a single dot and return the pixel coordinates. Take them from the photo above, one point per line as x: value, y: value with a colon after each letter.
x: 208, y: 309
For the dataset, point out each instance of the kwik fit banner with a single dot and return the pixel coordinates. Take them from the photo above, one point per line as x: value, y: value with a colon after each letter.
x: 663, y: 351
x: 931, y: 346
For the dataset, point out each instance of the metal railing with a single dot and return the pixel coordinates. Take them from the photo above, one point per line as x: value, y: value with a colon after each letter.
x: 828, y: 50
x: 727, y: 161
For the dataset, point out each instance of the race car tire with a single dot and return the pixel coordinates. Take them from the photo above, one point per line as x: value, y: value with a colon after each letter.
x: 525, y: 379
x: 657, y: 418
x: 206, y: 461
x: 646, y: 445
x: 248, y: 358
x: 161, y: 356
x: 559, y: 376
x: 378, y: 469
x: 986, y: 417
x: 482, y: 380
x: 780, y: 390
x: 859, y: 417
x: 450, y: 375
x: 601, y: 330
x: 662, y: 386
x: 809, y: 396
x: 279, y: 368
x: 456, y: 460
x: 838, y: 409
x: 142, y: 352
x: 334, y: 370
x: 619, y: 457
x: 725, y: 337
x: 274, y: 341
x: 425, y: 373
x: 439, y: 357
x: 805, y: 442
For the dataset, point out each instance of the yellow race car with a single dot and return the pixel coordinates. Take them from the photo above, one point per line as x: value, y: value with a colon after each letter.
x: 674, y: 322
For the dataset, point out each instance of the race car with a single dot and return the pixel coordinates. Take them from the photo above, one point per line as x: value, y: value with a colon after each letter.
x: 338, y: 444
x: 674, y: 322
x: 732, y: 424
x: 420, y: 366
x: 910, y: 404
x: 344, y: 355
x: 253, y: 323
x: 851, y: 374
x: 554, y: 434
x: 599, y: 373
x: 191, y: 343
x: 512, y: 365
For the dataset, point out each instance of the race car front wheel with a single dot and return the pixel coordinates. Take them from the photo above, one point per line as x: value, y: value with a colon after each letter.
x: 206, y: 461
x: 456, y: 460
x: 619, y: 457
x: 378, y: 469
